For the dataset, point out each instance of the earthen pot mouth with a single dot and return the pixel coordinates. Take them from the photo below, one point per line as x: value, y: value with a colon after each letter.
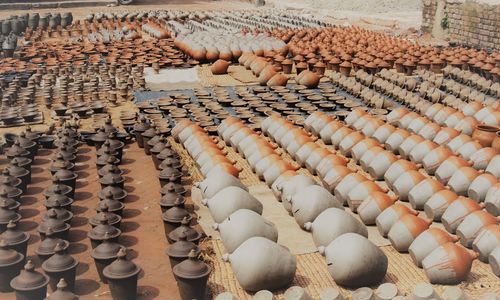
x: 488, y: 128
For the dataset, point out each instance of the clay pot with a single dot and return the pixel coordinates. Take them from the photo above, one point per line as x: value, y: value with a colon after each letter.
x: 469, y: 228
x: 10, y: 266
x: 266, y: 74
x: 122, y: 277
x: 360, y: 192
x: 342, y: 257
x: 390, y: 216
x: 462, y: 179
x: 278, y: 80
x: 62, y: 292
x: 192, y: 276
x: 220, y: 67
x: 458, y: 264
x: 179, y: 251
x: 346, y: 185
x: 104, y: 254
x: 60, y: 265
x: 492, y: 201
x: 423, y: 191
x: 494, y: 260
x: 406, y: 182
x: 30, y: 284
x: 172, y: 218
x: 449, y: 167
x: 479, y: 187
x: 405, y: 230
x: 15, y: 238
x: 332, y: 223
x: 255, y: 264
x: 427, y: 242
x: 486, y: 241
x: 457, y: 211
x: 485, y: 134
x: 496, y: 142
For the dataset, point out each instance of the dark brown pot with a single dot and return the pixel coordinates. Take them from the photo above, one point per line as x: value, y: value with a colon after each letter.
x: 104, y: 255
x: 485, y: 134
x: 30, y: 284
x: 10, y: 266
x: 192, y: 276
x: 60, y: 265
x: 122, y: 277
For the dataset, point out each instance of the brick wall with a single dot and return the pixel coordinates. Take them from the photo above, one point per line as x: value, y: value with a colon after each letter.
x: 469, y: 23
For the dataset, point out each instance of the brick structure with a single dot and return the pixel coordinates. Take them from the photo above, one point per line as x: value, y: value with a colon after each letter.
x: 469, y: 23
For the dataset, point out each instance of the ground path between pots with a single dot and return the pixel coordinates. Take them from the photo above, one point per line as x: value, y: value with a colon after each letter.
x: 142, y: 225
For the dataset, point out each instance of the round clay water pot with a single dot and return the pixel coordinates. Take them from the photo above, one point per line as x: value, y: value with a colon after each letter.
x: 192, y: 276
x: 60, y: 265
x: 11, y: 263
x: 30, y: 284
x: 15, y: 238
x: 104, y: 254
x: 485, y: 134
x: 122, y: 276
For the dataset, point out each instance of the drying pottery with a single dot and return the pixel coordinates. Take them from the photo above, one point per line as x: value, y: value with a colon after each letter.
x: 428, y: 241
x: 192, y: 276
x: 242, y: 225
x: 423, y: 191
x: 30, y: 284
x: 292, y: 186
x: 438, y: 203
x: 405, y: 230
x: 479, y: 187
x: 390, y: 216
x: 332, y: 223
x: 122, y: 277
x: 354, y: 261
x: 471, y: 225
x: 373, y: 205
x: 448, y: 264
x: 309, y: 202
x: 486, y: 240
x: 11, y: 263
x: 238, y: 198
x: 457, y: 211
x: 60, y: 265
x: 16, y: 239
x: 260, y: 264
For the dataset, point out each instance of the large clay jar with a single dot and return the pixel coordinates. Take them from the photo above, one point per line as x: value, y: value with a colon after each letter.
x: 469, y: 228
x: 448, y: 264
x: 229, y: 200
x: 332, y: 223
x: 457, y: 211
x: 261, y: 264
x: 242, y: 225
x: 354, y: 261
x: 309, y: 202
x: 216, y: 181
x: 278, y: 80
x: 292, y: 186
x: 427, y: 242
x: 405, y: 230
x: 487, y: 239
x: 485, y: 134
x: 266, y: 74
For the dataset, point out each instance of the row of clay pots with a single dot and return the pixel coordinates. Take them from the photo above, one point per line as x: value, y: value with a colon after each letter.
x: 109, y: 256
x: 417, y: 196
x: 243, y: 230
x: 473, y: 80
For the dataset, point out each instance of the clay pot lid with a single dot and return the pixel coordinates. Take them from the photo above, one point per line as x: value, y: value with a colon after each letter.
x: 103, y: 213
x: 111, y: 179
x: 25, y: 142
x: 113, y: 205
x: 52, y: 221
x: 371, y: 65
x: 182, y: 247
x: 60, y: 163
x: 287, y: 62
x: 142, y: 126
x: 8, y: 178
x: 192, y: 268
x: 57, y: 200
x: 112, y: 192
x: 29, y: 279
x: 61, y: 293
x: 20, y: 161
x: 121, y: 268
x: 409, y: 63
x: 335, y: 61
x: 14, y: 170
x: 107, y: 158
x: 162, y: 144
x: 301, y: 65
x: 487, y: 67
x: 98, y: 232
x: 320, y: 64
x: 170, y: 197
x: 8, y: 256
x: 57, y: 188
x: 64, y: 174
x: 14, y: 236
x: 177, y: 213
x: 62, y: 214
x: 172, y: 186
x: 107, y: 249
x: 6, y: 214
x: 167, y: 152
x: 60, y: 261
x: 437, y: 61
x: 424, y: 61
x: 185, y: 229
x: 16, y: 150
x: 168, y: 171
x: 345, y: 64
x: 47, y: 246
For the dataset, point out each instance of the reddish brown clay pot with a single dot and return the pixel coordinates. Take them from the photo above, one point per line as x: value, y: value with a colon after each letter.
x: 485, y: 134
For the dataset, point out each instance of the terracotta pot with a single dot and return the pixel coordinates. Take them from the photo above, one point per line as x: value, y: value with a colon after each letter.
x: 220, y: 67
x: 496, y: 142
x: 405, y: 230
x: 457, y: 267
x: 485, y: 134
x: 427, y: 242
